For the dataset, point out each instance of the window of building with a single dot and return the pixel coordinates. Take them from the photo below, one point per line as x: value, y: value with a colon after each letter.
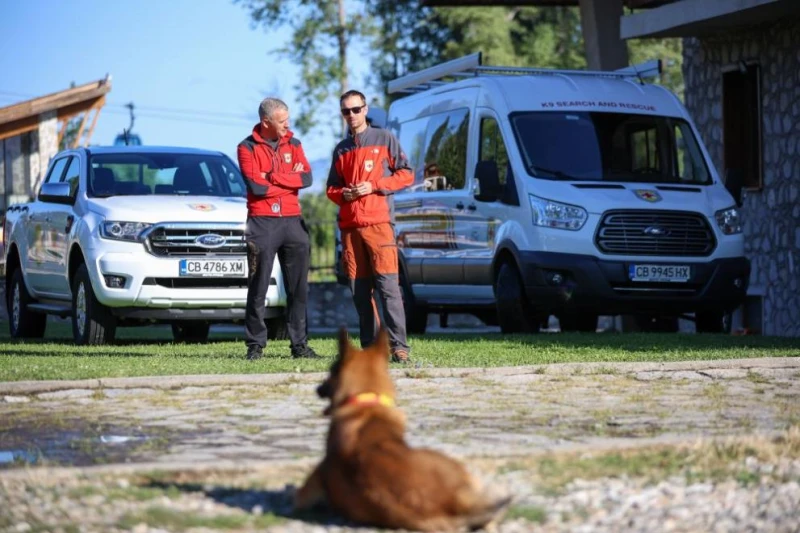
x: 741, y: 117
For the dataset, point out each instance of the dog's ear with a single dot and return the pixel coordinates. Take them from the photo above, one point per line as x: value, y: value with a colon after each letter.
x: 382, y: 341
x: 344, y: 342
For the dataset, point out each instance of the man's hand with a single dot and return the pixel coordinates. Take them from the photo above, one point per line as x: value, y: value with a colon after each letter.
x: 362, y: 189
x: 349, y: 194
x: 298, y: 167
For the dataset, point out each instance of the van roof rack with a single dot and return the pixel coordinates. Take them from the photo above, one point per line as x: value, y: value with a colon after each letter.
x: 470, y: 66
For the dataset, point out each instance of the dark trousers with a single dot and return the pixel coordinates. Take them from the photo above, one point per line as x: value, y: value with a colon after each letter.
x: 288, y: 237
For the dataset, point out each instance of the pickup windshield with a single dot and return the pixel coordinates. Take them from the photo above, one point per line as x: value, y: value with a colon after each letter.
x: 621, y: 147
x: 164, y: 174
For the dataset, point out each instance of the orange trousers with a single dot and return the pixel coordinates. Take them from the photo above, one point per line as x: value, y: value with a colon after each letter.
x: 369, y: 257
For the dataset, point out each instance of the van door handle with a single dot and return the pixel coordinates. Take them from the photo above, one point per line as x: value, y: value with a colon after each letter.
x: 459, y: 205
x: 471, y: 207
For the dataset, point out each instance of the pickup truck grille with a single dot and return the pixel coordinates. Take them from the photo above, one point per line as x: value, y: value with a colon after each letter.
x: 655, y: 233
x: 173, y: 240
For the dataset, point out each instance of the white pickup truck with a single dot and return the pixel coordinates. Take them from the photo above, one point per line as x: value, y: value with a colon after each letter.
x: 133, y: 236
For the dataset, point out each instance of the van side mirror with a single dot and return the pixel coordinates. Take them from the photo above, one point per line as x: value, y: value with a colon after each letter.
x: 734, y: 182
x: 488, y: 181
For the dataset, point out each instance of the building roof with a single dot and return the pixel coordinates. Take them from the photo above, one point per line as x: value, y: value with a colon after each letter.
x: 697, y: 18
x: 632, y: 4
x: 25, y: 116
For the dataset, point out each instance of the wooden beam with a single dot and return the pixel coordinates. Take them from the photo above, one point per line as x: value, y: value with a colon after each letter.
x: 97, y: 109
x: 78, y: 136
x: 61, y: 131
x: 56, y: 101
x: 18, y: 127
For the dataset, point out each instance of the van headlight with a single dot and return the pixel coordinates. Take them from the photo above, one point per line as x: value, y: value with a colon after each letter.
x: 550, y: 214
x: 123, y: 231
x: 729, y: 221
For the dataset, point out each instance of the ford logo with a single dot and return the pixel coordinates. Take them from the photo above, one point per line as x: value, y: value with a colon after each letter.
x: 210, y: 240
x: 656, y: 231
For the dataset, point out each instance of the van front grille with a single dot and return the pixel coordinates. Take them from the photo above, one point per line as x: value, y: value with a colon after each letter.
x: 655, y: 233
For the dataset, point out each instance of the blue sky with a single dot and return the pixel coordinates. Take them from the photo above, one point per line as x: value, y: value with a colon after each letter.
x: 198, y: 55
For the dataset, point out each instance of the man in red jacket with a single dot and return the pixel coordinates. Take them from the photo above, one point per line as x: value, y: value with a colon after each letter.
x: 275, y: 169
x: 367, y: 168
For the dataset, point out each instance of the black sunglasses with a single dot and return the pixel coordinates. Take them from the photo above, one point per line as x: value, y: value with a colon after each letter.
x: 354, y: 110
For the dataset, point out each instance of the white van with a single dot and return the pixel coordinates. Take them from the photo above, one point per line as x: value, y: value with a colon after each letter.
x: 542, y: 192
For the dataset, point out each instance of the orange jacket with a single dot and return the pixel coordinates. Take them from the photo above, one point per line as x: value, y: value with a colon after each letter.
x: 275, y: 194
x: 373, y: 155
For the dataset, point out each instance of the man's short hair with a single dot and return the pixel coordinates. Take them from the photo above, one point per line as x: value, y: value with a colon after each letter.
x: 348, y: 94
x: 269, y: 106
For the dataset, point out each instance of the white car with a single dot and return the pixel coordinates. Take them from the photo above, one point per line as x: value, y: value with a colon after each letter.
x: 131, y: 236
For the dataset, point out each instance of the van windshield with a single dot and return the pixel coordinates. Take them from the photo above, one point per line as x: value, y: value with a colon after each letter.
x: 164, y: 173
x: 591, y: 146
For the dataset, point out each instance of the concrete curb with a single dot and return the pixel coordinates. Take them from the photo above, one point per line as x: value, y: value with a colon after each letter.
x: 560, y: 369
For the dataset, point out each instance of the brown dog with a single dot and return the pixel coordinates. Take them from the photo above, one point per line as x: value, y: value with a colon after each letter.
x: 369, y: 474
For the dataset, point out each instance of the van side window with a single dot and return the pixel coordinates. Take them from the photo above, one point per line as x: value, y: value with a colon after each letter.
x: 644, y: 149
x: 688, y: 156
x: 492, y: 147
x: 412, y: 140
x: 446, y: 151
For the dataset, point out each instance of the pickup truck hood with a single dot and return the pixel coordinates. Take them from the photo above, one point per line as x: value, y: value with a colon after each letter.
x: 157, y: 208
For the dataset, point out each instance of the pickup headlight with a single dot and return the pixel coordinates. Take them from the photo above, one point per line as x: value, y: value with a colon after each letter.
x: 123, y: 231
x: 729, y: 221
x: 550, y: 214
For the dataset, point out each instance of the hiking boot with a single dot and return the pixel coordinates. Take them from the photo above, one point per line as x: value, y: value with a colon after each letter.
x: 400, y: 356
x: 305, y: 352
x: 254, y: 351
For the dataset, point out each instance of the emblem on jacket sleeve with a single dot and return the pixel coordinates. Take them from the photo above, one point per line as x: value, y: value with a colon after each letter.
x: 276, y: 208
x: 368, y: 164
x: 648, y: 195
x: 287, y: 157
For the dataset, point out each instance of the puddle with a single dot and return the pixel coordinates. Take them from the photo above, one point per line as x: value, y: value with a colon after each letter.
x: 42, y: 441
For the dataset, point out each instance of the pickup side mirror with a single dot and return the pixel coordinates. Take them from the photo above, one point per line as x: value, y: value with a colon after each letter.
x: 57, y: 193
x: 488, y: 181
x: 734, y: 182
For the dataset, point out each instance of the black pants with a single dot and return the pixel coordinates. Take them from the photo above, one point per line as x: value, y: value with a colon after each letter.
x: 288, y: 237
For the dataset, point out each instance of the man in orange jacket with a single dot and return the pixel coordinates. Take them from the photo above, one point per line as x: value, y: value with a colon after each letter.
x: 367, y: 168
x: 275, y: 169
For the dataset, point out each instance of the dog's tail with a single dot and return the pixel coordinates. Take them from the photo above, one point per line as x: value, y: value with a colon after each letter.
x: 490, y: 510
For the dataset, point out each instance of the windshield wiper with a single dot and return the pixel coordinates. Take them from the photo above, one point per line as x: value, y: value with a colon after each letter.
x: 554, y: 173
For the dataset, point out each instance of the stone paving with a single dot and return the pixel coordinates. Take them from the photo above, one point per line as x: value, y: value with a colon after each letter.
x: 192, y: 423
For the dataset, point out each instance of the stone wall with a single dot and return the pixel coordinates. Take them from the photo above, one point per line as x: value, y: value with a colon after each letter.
x: 772, y: 214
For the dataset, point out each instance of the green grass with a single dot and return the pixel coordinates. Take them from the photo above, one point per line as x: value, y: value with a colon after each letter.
x: 150, y: 352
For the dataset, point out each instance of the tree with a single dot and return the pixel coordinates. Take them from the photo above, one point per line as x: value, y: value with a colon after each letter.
x: 322, y: 34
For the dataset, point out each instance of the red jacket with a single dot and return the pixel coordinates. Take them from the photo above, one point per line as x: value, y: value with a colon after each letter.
x: 373, y: 155
x: 272, y: 186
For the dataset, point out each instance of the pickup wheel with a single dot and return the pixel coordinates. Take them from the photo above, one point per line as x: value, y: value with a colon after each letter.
x: 514, y: 311
x: 23, y: 323
x: 190, y: 331
x: 277, y: 330
x: 92, y: 322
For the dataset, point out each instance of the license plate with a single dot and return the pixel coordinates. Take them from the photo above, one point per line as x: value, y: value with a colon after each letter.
x: 660, y: 273
x: 213, y: 268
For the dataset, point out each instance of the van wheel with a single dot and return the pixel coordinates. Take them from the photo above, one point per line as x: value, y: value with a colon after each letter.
x: 712, y: 322
x: 586, y: 323
x: 191, y: 331
x: 514, y: 313
x: 23, y: 323
x: 416, y: 315
x: 92, y: 322
x: 277, y: 330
